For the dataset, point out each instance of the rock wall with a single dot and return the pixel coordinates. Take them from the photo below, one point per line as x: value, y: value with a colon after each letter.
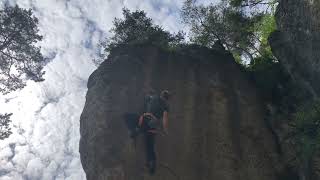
x: 217, y: 128
x: 296, y: 43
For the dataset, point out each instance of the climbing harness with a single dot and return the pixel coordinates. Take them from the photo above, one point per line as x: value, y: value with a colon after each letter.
x: 152, y: 118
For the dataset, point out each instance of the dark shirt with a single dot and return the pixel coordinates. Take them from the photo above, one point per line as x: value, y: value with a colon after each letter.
x: 156, y: 106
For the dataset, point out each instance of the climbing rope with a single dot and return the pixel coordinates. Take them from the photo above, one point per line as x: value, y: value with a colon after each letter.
x: 165, y: 166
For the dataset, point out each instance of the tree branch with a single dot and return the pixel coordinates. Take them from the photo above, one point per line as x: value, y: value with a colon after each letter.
x: 255, y: 3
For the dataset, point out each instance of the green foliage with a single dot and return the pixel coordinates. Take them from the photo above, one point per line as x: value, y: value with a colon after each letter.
x: 137, y: 28
x: 243, y: 31
x: 20, y: 59
x: 266, y: 71
x: 222, y: 22
x: 243, y: 34
x: 306, y: 130
x: 263, y: 29
x: 5, y: 130
x: 237, y: 58
x: 271, y: 79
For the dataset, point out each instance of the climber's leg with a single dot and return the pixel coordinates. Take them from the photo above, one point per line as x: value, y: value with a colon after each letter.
x: 150, y: 152
x: 131, y: 120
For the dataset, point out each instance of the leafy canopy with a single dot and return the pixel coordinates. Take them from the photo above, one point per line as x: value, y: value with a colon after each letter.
x: 242, y: 32
x: 243, y: 29
x: 5, y: 130
x: 137, y: 28
x: 20, y: 59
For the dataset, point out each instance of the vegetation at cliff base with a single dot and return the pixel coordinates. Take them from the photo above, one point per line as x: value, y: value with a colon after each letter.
x: 306, y: 130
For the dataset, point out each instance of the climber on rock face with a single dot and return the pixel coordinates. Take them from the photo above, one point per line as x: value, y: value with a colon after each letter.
x: 155, y: 113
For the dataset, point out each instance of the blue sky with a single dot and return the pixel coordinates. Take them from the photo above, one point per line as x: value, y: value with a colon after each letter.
x: 45, y: 140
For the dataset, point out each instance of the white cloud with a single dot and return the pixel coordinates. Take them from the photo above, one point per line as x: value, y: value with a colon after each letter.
x: 45, y: 140
x: 34, y: 169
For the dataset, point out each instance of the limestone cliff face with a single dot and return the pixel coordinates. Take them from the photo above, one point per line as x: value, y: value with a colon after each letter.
x: 217, y: 128
x: 297, y: 42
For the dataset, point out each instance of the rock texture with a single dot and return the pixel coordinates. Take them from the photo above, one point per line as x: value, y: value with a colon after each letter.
x: 297, y: 42
x: 217, y: 127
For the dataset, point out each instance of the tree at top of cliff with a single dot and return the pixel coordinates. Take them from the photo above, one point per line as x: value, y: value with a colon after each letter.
x: 137, y: 28
x: 243, y: 28
x: 241, y: 31
x: 219, y: 22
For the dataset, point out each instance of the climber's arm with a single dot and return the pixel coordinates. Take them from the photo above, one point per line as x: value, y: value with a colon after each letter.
x: 165, y: 121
